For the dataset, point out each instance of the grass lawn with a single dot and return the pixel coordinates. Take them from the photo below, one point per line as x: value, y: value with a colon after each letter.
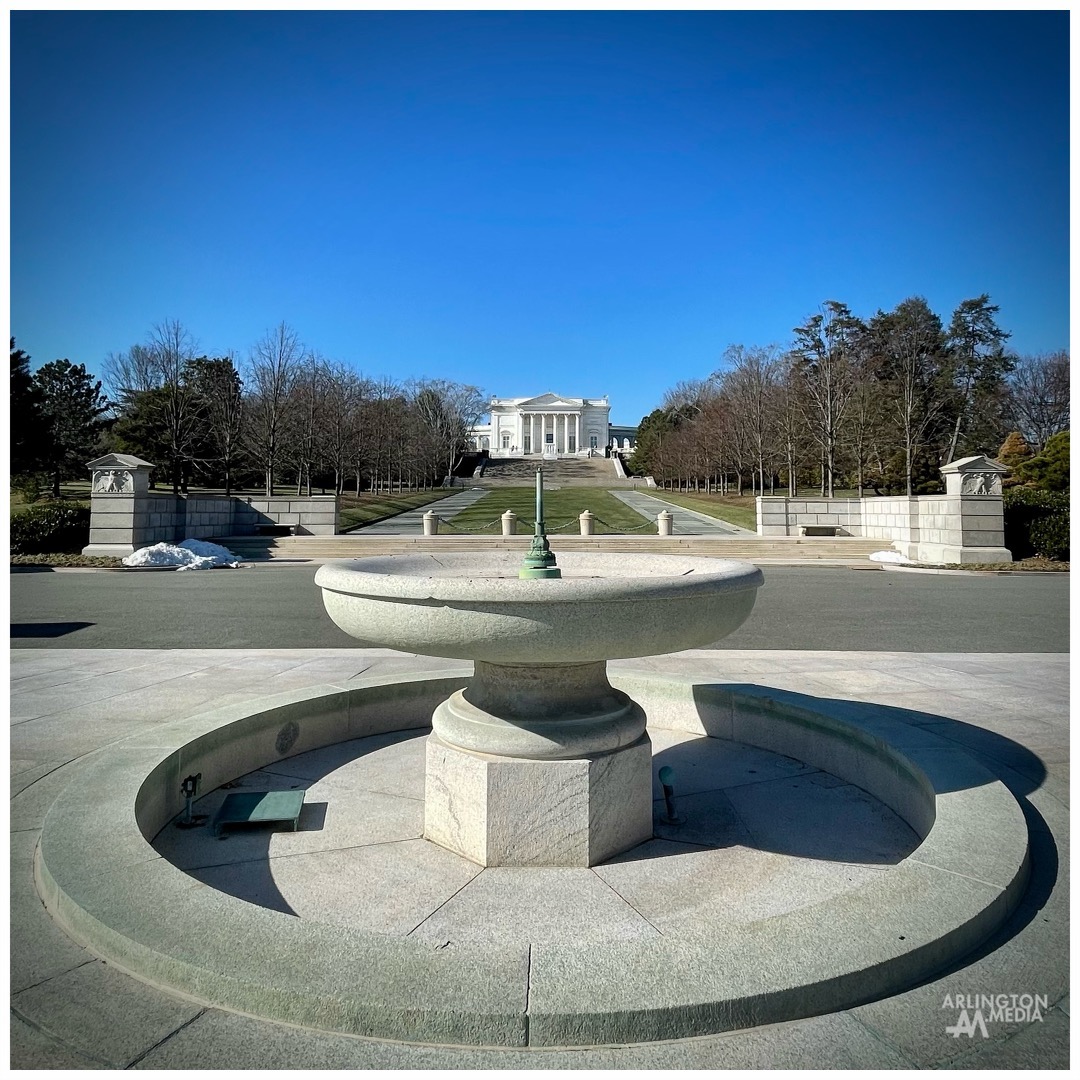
x: 730, y: 508
x: 561, y: 509
x: 369, y: 507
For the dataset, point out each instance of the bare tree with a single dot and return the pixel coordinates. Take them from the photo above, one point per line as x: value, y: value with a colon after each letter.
x: 131, y: 372
x: 750, y: 386
x: 302, y: 433
x: 219, y: 385
x: 1038, y: 396
x: 346, y: 392
x: 825, y: 347
x: 272, y: 368
x: 448, y: 410
x: 179, y: 407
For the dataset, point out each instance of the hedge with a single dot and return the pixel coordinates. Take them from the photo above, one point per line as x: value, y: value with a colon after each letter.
x: 1037, y: 523
x: 42, y: 529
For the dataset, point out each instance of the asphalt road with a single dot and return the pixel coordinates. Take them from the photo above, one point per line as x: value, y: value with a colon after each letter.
x: 800, y: 607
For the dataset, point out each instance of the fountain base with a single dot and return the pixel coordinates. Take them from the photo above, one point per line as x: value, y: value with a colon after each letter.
x: 503, y: 811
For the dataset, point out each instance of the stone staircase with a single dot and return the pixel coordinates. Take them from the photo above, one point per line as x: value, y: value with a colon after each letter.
x: 561, y: 472
x: 789, y: 549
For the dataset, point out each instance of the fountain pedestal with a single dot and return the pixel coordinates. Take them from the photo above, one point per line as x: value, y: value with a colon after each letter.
x: 538, y: 765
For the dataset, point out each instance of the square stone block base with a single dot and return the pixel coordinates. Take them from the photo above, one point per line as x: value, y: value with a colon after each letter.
x: 501, y: 811
x: 945, y: 553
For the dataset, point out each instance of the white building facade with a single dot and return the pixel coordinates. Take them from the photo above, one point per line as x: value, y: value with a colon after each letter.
x: 549, y: 426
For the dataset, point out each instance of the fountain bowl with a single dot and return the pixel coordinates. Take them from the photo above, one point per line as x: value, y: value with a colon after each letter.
x: 472, y: 606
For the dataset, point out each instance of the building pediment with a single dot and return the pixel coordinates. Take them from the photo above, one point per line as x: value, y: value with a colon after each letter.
x: 551, y: 401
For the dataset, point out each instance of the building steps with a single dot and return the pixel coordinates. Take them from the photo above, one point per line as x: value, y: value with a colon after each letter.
x: 750, y: 548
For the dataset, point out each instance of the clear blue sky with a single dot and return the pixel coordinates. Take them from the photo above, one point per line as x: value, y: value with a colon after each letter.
x: 585, y: 202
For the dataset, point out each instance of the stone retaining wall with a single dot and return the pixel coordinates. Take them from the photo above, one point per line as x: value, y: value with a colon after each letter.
x: 122, y: 523
x: 926, y: 528
x: 782, y: 516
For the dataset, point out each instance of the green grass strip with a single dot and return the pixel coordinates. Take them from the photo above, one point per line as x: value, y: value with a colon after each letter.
x: 561, y: 509
x: 369, y: 507
x: 729, y: 508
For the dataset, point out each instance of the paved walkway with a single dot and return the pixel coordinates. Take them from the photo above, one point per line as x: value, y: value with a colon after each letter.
x: 684, y: 521
x: 412, y: 521
x: 70, y: 1010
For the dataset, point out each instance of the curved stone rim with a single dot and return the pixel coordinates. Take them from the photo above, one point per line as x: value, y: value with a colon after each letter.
x: 101, y: 879
x: 653, y: 577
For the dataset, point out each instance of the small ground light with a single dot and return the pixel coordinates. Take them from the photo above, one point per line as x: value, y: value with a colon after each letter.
x: 667, y: 782
x: 188, y: 786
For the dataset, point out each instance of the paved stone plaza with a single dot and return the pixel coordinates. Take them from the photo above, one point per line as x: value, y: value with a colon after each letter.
x: 72, y: 1010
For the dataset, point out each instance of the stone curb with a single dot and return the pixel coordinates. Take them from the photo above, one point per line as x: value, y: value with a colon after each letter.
x: 101, y: 879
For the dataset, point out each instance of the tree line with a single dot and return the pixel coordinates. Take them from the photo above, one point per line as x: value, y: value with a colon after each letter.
x: 878, y: 404
x: 284, y: 415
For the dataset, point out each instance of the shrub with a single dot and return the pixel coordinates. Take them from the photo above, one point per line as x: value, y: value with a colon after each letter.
x: 1050, y: 536
x: 1036, y: 523
x: 50, y: 528
x: 28, y: 486
x: 1050, y: 469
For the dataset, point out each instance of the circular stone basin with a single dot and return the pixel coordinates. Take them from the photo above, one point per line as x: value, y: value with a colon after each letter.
x: 474, y: 607
x: 101, y: 879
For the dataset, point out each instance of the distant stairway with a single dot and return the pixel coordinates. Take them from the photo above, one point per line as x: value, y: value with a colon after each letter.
x: 559, y: 472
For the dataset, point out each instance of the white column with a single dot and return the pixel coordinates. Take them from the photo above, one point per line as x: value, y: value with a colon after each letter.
x: 577, y: 431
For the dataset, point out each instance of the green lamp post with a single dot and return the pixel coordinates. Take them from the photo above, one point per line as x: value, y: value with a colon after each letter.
x: 540, y: 560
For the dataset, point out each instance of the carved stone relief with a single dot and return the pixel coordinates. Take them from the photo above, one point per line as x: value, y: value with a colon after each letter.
x: 981, y: 484
x: 113, y: 482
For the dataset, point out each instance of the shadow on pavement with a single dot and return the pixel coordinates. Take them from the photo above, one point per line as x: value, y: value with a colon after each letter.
x: 46, y: 630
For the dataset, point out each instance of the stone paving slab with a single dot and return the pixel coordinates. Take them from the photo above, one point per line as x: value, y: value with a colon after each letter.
x: 1029, y: 956
x: 84, y: 1004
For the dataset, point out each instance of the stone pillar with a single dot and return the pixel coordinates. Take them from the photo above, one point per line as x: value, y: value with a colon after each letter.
x: 967, y: 524
x: 119, y: 505
x: 509, y: 523
x: 663, y: 523
x: 577, y: 432
x: 431, y: 523
x: 585, y: 519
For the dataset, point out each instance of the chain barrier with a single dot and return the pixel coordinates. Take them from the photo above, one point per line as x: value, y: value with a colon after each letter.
x: 615, y: 528
x: 531, y: 525
x: 460, y: 528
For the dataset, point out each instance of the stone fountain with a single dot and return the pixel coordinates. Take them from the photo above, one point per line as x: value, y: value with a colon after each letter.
x: 539, y: 761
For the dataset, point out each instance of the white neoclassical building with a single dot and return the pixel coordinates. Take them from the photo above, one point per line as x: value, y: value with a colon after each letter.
x: 550, y: 426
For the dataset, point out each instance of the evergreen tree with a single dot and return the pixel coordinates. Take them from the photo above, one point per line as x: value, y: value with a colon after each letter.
x: 979, y: 365
x: 73, y: 408
x: 26, y: 417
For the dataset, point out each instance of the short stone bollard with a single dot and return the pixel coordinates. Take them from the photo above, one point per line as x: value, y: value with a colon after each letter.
x: 431, y: 523
x: 509, y: 523
x: 586, y: 521
x: 663, y: 523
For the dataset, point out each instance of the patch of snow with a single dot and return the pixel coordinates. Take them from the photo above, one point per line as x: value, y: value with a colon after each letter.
x: 891, y: 557
x: 189, y: 555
